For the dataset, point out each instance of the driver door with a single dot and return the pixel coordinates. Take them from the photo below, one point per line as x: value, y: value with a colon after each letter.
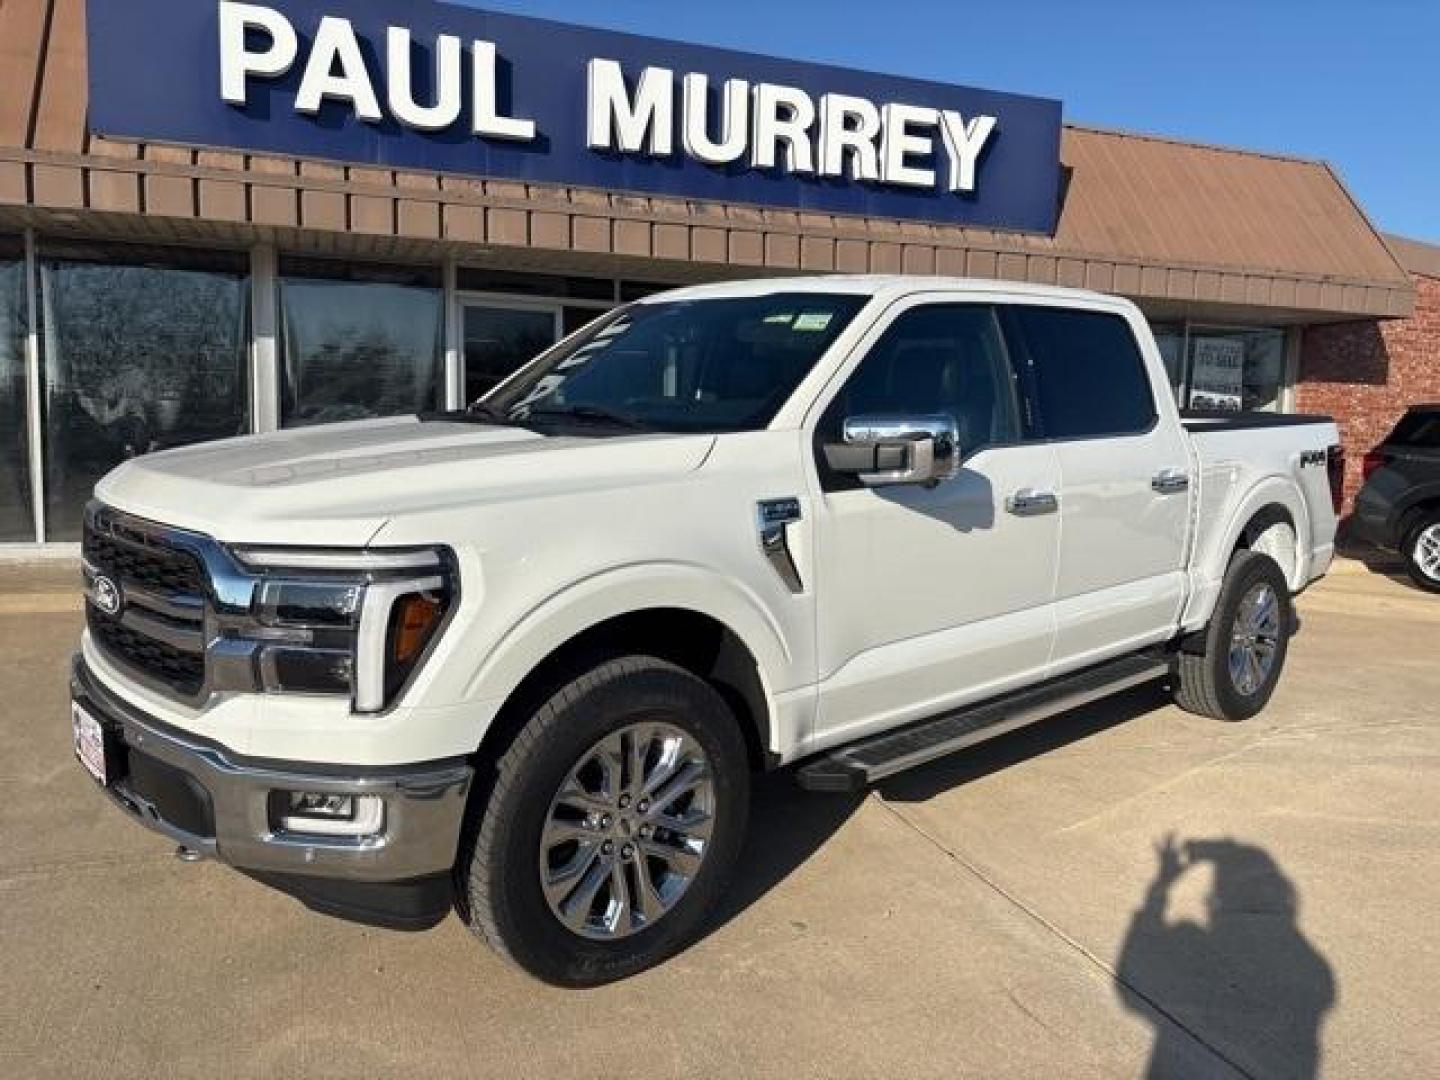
x: 930, y: 597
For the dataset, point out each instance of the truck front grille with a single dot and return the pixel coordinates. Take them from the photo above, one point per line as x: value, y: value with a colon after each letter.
x: 158, y: 630
x: 124, y: 551
x: 182, y: 671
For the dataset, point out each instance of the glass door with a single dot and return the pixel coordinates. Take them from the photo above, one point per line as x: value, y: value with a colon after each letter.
x: 501, y: 336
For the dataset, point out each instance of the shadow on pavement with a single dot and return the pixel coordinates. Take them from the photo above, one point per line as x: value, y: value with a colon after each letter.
x: 1245, y: 981
x: 788, y: 825
x: 927, y: 781
x: 1241, y: 986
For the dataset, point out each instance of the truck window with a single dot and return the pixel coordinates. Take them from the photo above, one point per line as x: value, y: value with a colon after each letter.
x: 723, y: 364
x: 1089, y: 375
x: 941, y: 358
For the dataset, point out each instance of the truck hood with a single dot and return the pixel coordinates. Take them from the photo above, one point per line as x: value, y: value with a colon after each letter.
x: 339, y: 484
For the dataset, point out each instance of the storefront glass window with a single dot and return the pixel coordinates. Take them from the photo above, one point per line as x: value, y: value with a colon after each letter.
x: 359, y: 341
x: 500, y: 340
x: 16, y: 520
x: 1235, y: 370
x: 144, y: 349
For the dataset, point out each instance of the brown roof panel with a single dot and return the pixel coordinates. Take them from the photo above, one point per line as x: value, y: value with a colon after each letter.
x: 22, y: 37
x: 1415, y: 255
x: 1158, y: 200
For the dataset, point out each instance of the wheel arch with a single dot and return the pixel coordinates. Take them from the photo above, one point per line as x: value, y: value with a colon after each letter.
x: 1259, y: 522
x: 710, y: 628
x: 1422, y: 500
x: 1272, y: 531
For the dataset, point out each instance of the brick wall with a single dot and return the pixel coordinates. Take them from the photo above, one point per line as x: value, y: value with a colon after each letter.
x: 1366, y: 374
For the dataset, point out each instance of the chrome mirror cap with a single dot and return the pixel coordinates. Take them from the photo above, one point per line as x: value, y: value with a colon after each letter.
x: 897, y: 449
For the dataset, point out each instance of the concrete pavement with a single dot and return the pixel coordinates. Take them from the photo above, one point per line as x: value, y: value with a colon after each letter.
x: 1122, y: 884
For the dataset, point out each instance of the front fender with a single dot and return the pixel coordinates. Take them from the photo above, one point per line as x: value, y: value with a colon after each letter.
x: 781, y: 657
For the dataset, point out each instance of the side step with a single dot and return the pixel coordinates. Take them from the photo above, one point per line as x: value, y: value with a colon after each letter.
x: 853, y: 767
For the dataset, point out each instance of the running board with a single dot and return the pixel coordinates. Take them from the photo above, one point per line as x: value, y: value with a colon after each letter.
x: 858, y: 764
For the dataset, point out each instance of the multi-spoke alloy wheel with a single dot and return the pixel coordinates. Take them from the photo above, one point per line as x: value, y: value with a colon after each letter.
x: 627, y: 831
x: 1254, y: 638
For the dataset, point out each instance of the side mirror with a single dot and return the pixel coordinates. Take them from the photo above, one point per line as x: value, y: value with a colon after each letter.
x: 881, y: 450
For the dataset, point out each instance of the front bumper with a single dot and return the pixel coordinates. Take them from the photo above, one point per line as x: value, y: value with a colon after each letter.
x: 218, y: 804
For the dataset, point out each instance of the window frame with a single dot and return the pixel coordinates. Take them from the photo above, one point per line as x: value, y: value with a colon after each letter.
x: 554, y: 307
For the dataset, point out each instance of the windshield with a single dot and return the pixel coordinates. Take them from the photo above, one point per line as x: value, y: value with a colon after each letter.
x: 682, y: 366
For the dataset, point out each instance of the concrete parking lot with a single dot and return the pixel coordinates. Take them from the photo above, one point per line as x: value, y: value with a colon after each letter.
x: 1123, y: 891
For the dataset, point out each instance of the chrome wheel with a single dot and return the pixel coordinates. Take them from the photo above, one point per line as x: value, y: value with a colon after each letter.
x: 1254, y: 639
x: 627, y: 832
x: 1427, y: 552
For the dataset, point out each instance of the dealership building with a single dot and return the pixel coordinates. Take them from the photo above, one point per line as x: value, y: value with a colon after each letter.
x: 220, y: 218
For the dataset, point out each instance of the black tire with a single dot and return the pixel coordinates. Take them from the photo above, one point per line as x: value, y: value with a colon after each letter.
x: 1204, y: 683
x: 1411, y: 551
x: 507, y: 907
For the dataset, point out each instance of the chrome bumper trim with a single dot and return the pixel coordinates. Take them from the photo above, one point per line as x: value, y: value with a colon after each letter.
x: 424, y: 805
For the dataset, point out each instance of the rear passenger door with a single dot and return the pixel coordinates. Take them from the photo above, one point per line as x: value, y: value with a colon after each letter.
x: 1124, y: 481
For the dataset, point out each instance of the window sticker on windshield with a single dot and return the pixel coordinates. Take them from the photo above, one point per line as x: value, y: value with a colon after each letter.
x: 813, y: 321
x: 782, y: 317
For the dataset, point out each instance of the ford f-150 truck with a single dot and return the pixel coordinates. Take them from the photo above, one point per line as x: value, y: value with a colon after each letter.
x: 524, y: 659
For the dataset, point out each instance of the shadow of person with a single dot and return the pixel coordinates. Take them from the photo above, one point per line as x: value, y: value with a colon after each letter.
x: 1245, y: 982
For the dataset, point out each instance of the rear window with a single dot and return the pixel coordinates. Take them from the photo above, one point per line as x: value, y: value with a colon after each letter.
x: 1418, y: 429
x: 1090, y: 377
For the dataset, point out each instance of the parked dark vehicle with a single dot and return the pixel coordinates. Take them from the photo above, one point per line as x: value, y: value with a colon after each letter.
x: 1399, y: 506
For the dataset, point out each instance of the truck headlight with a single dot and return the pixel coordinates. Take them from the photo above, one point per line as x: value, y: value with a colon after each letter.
x: 343, y: 622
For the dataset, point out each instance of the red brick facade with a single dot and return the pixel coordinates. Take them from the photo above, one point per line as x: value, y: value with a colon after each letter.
x: 1366, y: 374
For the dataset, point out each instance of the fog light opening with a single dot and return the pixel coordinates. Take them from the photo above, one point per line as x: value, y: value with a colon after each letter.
x: 318, y: 813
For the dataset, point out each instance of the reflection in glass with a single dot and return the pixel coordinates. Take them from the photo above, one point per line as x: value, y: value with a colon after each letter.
x: 16, y: 519
x: 358, y: 349
x: 137, y: 358
x: 499, y: 341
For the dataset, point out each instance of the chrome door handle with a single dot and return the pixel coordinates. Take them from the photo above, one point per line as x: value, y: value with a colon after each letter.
x: 1027, y: 502
x: 1171, y: 481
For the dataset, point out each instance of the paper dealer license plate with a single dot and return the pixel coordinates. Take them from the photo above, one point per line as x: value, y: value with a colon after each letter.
x: 89, y: 742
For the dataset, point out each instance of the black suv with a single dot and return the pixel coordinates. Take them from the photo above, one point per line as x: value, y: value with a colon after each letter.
x: 1399, y: 506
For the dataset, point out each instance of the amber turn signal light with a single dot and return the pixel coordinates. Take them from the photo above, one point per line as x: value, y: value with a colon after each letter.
x: 416, y: 617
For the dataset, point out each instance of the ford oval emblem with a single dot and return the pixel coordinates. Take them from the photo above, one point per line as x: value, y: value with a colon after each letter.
x: 106, y: 595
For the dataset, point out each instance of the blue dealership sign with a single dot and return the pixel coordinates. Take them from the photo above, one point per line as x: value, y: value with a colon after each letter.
x: 414, y: 84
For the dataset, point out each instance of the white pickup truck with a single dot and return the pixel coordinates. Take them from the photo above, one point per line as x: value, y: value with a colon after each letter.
x: 524, y: 659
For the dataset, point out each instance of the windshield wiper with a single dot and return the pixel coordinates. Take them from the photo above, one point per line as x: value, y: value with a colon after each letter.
x: 592, y: 414
x: 475, y: 414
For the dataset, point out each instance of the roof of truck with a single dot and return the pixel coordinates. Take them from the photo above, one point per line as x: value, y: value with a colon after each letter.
x: 876, y: 285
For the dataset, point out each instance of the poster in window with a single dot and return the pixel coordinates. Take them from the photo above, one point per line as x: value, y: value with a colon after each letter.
x: 1217, y: 380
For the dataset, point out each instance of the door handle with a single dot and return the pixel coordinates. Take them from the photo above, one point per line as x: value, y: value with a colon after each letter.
x: 1027, y: 502
x: 1171, y: 481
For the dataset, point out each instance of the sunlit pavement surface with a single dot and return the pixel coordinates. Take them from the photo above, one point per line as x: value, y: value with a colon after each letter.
x: 1124, y: 891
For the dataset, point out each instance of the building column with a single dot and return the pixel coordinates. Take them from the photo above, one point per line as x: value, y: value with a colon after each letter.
x: 33, y: 400
x: 265, y: 340
x: 454, y: 338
